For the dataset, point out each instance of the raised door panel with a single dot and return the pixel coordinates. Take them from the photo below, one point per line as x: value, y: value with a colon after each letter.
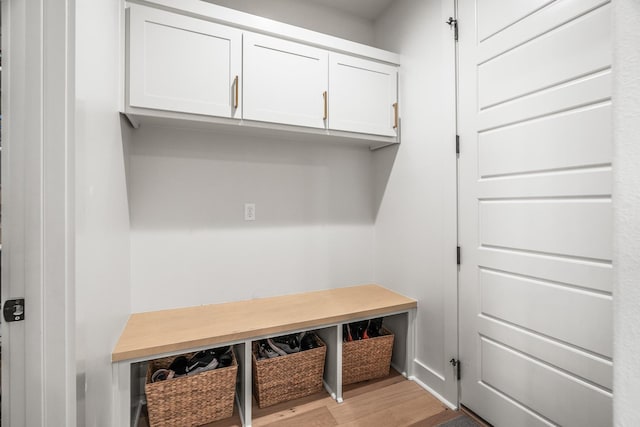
x: 182, y: 64
x: 565, y: 400
x: 284, y: 82
x: 362, y: 96
x: 544, y: 62
x: 496, y: 15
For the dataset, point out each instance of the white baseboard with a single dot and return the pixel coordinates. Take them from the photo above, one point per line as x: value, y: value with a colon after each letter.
x: 434, y: 393
x: 423, y: 374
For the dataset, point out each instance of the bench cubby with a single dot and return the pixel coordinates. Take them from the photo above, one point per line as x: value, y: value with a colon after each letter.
x: 158, y: 334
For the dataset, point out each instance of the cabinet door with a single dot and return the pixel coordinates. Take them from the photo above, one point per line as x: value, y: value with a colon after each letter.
x: 183, y: 64
x: 362, y: 95
x: 284, y: 82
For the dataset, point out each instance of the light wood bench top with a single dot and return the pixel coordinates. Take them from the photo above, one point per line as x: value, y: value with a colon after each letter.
x: 157, y: 332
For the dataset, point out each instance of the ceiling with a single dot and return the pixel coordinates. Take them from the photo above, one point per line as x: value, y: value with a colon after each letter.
x: 366, y: 9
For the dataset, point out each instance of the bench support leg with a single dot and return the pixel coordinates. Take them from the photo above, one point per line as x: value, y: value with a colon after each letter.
x: 243, y: 395
x: 332, y: 380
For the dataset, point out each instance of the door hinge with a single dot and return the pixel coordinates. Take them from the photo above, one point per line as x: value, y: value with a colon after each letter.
x: 456, y: 367
x: 13, y: 310
x: 458, y: 255
x: 457, y: 144
x: 454, y: 24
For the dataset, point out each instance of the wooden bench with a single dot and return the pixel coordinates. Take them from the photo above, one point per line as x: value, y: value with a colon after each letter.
x: 163, y: 333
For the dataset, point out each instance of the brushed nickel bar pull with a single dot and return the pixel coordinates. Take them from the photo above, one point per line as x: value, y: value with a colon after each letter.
x: 395, y: 115
x: 326, y: 112
x: 235, y: 84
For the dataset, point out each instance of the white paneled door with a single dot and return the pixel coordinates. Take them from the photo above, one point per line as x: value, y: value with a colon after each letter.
x: 535, y: 211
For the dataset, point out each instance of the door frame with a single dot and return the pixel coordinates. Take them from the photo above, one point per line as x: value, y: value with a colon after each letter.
x: 38, y: 104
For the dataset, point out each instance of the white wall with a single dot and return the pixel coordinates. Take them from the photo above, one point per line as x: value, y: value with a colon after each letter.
x: 415, y: 227
x: 314, y: 228
x: 189, y: 241
x: 307, y: 15
x: 102, y: 218
x: 626, y: 381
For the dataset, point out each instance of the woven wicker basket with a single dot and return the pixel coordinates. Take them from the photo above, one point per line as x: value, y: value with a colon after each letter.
x: 288, y: 377
x: 367, y: 359
x: 190, y: 400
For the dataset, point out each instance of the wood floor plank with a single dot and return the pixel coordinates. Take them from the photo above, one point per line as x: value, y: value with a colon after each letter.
x: 234, y: 421
x: 415, y: 410
x: 386, y: 397
x: 353, y: 390
x: 382, y: 418
x: 390, y: 401
x: 403, y: 414
x: 283, y: 411
x: 320, y: 417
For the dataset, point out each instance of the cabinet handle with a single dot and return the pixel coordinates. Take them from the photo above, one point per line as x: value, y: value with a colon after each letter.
x: 235, y: 83
x: 395, y: 115
x: 326, y: 113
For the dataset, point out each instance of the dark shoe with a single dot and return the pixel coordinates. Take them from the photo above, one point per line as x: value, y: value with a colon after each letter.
x: 358, y: 330
x: 225, y: 360
x: 265, y: 351
x: 308, y: 341
x: 275, y: 348
x: 375, y: 327
x: 179, y: 366
x: 221, y: 350
x: 202, y: 359
x: 288, y: 343
x: 162, y: 375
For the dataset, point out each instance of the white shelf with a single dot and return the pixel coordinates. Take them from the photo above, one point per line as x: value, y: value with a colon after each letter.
x: 140, y: 117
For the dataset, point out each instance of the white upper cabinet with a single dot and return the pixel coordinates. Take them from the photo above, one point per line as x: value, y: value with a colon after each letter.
x: 183, y: 64
x: 284, y: 82
x: 212, y: 65
x: 363, y: 96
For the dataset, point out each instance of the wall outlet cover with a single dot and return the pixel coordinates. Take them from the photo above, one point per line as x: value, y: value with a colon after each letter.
x: 249, y: 211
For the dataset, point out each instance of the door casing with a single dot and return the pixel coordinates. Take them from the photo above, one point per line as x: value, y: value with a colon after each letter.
x: 38, y: 104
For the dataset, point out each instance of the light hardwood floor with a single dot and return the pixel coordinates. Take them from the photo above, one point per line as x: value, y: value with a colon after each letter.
x: 388, y: 402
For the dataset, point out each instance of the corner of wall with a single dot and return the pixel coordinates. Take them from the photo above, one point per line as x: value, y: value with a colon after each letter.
x: 415, y: 186
x: 626, y: 205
